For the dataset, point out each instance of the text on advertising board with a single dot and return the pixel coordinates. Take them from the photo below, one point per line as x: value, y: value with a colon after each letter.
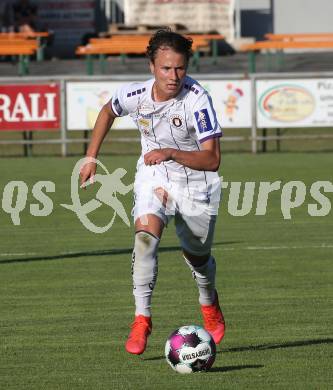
x: 30, y: 107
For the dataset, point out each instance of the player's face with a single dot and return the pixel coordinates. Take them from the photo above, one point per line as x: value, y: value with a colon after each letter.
x: 169, y: 69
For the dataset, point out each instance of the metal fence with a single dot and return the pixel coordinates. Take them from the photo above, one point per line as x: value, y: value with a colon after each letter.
x: 253, y: 102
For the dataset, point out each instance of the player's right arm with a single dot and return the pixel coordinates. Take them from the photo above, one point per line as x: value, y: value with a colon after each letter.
x: 103, y: 124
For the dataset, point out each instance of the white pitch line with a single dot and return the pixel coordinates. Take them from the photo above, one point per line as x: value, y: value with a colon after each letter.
x: 227, y: 248
x: 18, y: 254
x: 269, y: 248
x: 253, y: 248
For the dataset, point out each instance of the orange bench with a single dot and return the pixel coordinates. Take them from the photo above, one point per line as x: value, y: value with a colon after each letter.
x: 146, y: 37
x: 300, y: 37
x: 130, y: 44
x: 23, y: 49
x: 108, y: 46
x: 19, y: 42
x: 31, y: 36
x: 142, y: 41
x: 201, y: 42
x: 127, y: 42
x: 280, y: 46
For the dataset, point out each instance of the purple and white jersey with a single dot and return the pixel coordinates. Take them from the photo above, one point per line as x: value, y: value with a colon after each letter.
x: 183, y: 123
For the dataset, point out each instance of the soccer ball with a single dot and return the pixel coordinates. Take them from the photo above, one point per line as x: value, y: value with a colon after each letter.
x: 190, y: 349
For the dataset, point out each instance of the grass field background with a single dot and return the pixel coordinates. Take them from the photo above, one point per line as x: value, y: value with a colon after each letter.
x: 66, y: 293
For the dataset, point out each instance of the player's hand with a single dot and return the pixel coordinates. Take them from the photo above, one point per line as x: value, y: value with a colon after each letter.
x: 157, y: 156
x: 87, y: 172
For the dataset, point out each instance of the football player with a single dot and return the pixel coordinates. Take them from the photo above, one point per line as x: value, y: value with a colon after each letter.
x: 176, y: 176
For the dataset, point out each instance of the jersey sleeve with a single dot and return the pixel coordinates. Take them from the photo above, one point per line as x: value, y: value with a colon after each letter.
x: 118, y: 102
x: 205, y: 119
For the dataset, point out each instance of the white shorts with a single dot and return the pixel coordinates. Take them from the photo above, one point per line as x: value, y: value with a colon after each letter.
x: 194, y: 207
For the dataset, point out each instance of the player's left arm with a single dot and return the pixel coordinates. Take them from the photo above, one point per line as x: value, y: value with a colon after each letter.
x: 207, y: 159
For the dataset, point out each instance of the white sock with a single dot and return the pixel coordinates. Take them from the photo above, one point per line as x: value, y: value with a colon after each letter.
x: 205, y: 279
x: 144, y: 271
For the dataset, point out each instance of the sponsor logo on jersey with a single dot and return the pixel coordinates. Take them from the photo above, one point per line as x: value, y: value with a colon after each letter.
x: 177, y: 121
x: 144, y: 122
x: 144, y: 125
x: 203, y: 120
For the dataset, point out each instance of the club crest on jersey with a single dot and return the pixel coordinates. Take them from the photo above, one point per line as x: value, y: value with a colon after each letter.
x: 203, y: 120
x: 177, y: 121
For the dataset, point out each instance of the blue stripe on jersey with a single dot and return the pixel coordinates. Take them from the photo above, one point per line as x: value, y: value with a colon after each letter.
x: 118, y: 107
x: 191, y: 88
x: 136, y: 92
x: 215, y: 135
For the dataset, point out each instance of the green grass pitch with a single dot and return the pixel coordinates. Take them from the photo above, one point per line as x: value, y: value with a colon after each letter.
x: 66, y: 295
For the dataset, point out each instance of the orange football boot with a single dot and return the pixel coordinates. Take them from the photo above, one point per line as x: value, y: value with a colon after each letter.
x: 137, y: 339
x: 214, y: 320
